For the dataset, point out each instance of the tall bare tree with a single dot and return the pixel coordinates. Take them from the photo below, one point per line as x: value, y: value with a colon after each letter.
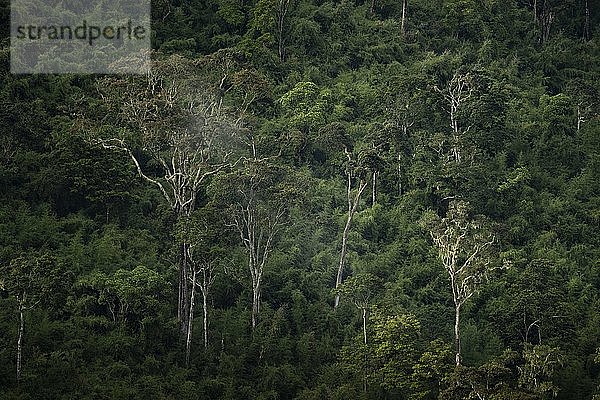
x: 257, y: 231
x: 257, y: 228
x: 282, y: 9
x: 356, y: 183
x: 258, y: 197
x: 176, y: 115
x: 203, y: 276
x: 202, y: 231
x: 463, y: 245
x: 457, y: 93
x: 404, y: 16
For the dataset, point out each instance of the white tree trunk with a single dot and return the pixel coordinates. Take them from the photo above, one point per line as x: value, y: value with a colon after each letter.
x: 340, y: 272
x: 184, y: 295
x: 205, y: 321
x: 20, y: 341
x: 188, y: 339
x: 364, y: 317
x: 282, y: 10
x: 257, y: 233
x: 402, y: 25
x: 374, y: 185
x: 255, y: 303
x: 463, y: 249
x: 399, y: 175
x: 352, y: 207
x: 208, y: 278
x: 457, y: 334
x: 457, y: 93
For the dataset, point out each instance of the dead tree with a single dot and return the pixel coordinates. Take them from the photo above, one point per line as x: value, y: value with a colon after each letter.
x: 283, y: 6
x: 203, y: 231
x: 23, y: 304
x: 203, y: 276
x: 257, y: 196
x: 404, y: 11
x: 373, y: 161
x: 463, y: 246
x: 179, y: 120
x: 355, y: 186
x: 257, y: 229
x: 457, y: 93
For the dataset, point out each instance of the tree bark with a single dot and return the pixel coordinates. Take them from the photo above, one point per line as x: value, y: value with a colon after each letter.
x: 399, y: 175
x: 188, y: 339
x: 364, y: 317
x: 255, y: 304
x: 457, y: 93
x: 20, y: 341
x: 338, y: 280
x: 282, y: 10
x: 374, y: 185
x: 463, y: 247
x: 205, y: 321
x: 183, y: 311
x: 207, y: 281
x: 402, y: 25
x: 352, y: 207
x: 457, y: 333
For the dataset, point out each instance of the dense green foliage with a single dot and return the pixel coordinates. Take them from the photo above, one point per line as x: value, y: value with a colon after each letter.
x: 476, y: 103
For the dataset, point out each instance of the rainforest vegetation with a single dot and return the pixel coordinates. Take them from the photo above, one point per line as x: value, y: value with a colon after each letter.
x: 310, y: 199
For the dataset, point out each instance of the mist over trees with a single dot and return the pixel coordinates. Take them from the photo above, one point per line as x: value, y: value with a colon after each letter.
x: 310, y: 199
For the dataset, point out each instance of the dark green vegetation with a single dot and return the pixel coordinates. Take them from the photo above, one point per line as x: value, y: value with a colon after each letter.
x: 477, y: 123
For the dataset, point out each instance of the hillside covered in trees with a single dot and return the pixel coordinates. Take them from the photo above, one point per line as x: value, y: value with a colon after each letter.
x: 310, y: 199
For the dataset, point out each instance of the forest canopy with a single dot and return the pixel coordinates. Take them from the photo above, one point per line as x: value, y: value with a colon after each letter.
x: 310, y: 199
